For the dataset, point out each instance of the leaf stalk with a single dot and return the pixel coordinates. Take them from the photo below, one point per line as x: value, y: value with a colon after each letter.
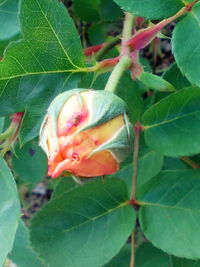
x: 125, y: 59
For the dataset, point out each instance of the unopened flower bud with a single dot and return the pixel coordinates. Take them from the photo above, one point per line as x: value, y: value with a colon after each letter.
x: 86, y: 133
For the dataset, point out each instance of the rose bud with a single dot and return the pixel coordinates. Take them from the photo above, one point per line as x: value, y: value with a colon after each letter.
x: 86, y: 133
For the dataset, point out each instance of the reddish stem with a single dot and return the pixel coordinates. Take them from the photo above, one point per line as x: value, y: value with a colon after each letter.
x: 17, y: 117
x: 133, y: 202
x: 93, y: 49
x: 138, y: 127
x: 138, y: 22
x: 143, y: 37
x: 108, y: 62
x: 190, y: 5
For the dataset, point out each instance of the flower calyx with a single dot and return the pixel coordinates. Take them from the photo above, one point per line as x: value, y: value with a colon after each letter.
x: 86, y: 133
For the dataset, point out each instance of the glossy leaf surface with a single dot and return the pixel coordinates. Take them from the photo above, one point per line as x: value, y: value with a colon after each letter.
x: 151, y: 9
x: 50, y: 42
x: 25, y: 161
x: 173, y: 124
x: 185, y: 46
x: 22, y: 254
x: 9, y: 210
x: 169, y: 215
x: 77, y: 234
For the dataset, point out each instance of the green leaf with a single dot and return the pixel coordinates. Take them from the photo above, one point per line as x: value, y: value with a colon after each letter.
x: 9, y: 22
x: 149, y: 256
x: 21, y: 253
x: 87, y: 10
x: 151, y: 9
x: 154, y: 162
x: 25, y: 159
x: 146, y: 64
x: 46, y: 88
x: 2, y: 121
x: 87, y: 81
x: 94, y: 219
x: 9, y: 210
x: 33, y: 94
x: 172, y: 125
x: 9, y: 19
x: 50, y: 42
x: 104, y: 30
x: 122, y: 258
x: 175, y: 77
x: 64, y: 185
x: 174, y: 164
x: 178, y: 262
x: 99, y: 38
x: 5, y: 43
x: 185, y: 46
x: 128, y: 90
x: 170, y: 212
x: 151, y: 159
x: 155, y: 82
x: 105, y: 10
x: 145, y: 256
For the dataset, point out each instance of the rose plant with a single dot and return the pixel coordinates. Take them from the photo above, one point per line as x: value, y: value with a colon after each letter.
x: 86, y: 133
x: 104, y: 96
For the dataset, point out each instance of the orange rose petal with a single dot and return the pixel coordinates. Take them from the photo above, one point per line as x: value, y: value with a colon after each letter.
x: 61, y: 167
x: 72, y: 150
x: 74, y: 153
x: 101, y: 163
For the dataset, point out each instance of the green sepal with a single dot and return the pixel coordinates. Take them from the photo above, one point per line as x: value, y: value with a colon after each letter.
x: 105, y: 106
x: 43, y: 135
x: 155, y: 82
x: 53, y: 111
x: 119, y: 145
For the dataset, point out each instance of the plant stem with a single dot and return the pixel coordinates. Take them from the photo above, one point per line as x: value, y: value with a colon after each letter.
x: 190, y: 162
x: 117, y: 72
x: 89, y: 51
x: 124, y: 63
x: 127, y: 33
x: 142, y: 38
x: 7, y: 133
x: 125, y: 59
x: 189, y: 6
x: 107, y: 47
x: 137, y: 129
x: 136, y: 42
x: 132, y: 261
